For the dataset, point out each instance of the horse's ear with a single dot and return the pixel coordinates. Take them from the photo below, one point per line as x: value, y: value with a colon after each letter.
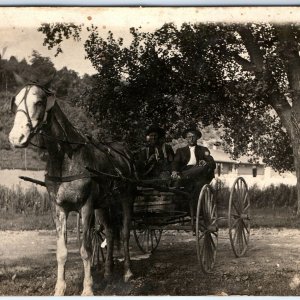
x: 50, y: 102
x: 48, y: 83
x: 20, y: 80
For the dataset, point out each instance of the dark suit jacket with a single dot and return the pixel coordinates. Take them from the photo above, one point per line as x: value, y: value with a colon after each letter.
x: 183, y: 155
x: 163, y: 163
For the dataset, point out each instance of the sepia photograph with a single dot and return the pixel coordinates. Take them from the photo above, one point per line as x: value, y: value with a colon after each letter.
x: 150, y: 151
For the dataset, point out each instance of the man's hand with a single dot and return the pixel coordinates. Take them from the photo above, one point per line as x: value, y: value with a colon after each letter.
x: 175, y: 175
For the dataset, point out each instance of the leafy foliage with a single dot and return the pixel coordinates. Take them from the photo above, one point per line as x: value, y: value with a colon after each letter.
x: 69, y: 88
x: 199, y: 73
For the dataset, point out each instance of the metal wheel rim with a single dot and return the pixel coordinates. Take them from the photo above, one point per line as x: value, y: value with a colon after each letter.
x: 207, y: 240
x: 147, y: 239
x: 239, y: 217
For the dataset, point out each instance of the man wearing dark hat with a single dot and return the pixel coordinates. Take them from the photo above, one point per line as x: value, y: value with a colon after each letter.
x: 193, y: 160
x: 193, y: 166
x: 155, y: 158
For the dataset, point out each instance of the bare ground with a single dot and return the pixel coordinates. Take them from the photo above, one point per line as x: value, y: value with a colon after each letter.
x: 270, y: 267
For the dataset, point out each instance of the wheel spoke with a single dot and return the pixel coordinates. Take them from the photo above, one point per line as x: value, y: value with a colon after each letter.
x: 246, y: 208
x: 235, y: 206
x: 234, y: 235
x: 246, y: 226
x: 244, y: 235
x: 212, y: 242
x: 213, y: 210
x: 235, y: 216
x: 235, y: 222
x: 215, y: 234
x: 202, y: 226
x: 209, y: 253
x: 201, y: 236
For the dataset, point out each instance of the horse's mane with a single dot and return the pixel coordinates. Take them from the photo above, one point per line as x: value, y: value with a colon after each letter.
x: 71, y: 134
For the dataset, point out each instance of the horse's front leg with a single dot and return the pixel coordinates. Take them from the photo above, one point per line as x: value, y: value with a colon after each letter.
x: 126, y: 235
x: 61, y: 217
x: 86, y: 248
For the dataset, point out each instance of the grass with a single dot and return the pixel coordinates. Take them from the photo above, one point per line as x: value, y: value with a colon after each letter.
x: 30, y: 209
x: 33, y: 222
x: 277, y: 217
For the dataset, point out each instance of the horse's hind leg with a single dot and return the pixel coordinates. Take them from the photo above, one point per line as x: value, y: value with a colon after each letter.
x: 61, y: 252
x: 126, y: 235
x: 86, y: 249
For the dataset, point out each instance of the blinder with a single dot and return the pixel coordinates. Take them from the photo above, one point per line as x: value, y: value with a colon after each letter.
x: 49, y: 104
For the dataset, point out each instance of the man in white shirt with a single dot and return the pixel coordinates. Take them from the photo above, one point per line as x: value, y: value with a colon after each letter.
x: 192, y: 167
x: 193, y: 160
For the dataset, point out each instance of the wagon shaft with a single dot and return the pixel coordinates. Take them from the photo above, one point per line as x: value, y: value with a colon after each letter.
x: 42, y: 183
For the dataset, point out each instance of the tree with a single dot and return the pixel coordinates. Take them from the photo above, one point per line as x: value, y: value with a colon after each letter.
x: 244, y: 77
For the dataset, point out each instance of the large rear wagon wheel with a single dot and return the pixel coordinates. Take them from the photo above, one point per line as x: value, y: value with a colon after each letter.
x: 206, y: 229
x: 239, y: 217
x: 147, y: 239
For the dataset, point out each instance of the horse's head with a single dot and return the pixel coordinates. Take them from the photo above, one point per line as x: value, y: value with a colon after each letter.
x: 31, y: 106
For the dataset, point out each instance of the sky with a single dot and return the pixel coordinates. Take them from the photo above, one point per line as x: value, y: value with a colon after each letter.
x: 18, y: 25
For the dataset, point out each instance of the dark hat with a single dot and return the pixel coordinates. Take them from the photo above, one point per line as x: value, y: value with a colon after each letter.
x: 154, y: 128
x: 192, y: 129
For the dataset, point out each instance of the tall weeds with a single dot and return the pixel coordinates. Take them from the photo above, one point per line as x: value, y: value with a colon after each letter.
x: 19, y: 201
x: 31, y: 201
x: 270, y: 197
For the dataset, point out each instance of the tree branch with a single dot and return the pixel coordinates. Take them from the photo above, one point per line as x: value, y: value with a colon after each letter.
x: 256, y: 56
x: 282, y: 108
x: 244, y: 63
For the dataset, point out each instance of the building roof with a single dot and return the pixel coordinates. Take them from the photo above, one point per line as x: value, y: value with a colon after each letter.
x: 223, y: 157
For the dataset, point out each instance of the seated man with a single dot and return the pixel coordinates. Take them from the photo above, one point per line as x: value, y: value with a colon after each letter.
x: 193, y: 166
x: 154, y: 160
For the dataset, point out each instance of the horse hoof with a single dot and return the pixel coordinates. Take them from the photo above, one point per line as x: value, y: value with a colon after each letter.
x: 87, y: 292
x: 128, y: 276
x: 60, y: 290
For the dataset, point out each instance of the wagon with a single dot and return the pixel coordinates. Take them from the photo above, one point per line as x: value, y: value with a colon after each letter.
x: 156, y: 210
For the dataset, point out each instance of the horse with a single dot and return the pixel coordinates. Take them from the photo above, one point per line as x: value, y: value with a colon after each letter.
x: 70, y: 186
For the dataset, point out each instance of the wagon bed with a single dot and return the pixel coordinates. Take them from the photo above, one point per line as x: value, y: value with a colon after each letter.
x: 155, y: 211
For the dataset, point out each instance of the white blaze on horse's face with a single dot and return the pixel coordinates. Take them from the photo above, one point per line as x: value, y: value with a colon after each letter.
x: 30, y: 105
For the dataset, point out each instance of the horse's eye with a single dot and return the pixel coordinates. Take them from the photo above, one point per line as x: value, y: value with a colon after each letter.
x: 40, y: 103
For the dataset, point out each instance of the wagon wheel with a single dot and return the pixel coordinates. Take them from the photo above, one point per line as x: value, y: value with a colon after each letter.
x: 146, y: 238
x: 239, y: 217
x: 206, y: 229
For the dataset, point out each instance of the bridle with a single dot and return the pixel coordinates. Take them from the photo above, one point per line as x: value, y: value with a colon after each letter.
x: 15, y: 108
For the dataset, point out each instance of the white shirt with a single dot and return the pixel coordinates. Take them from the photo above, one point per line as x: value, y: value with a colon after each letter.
x: 192, y: 161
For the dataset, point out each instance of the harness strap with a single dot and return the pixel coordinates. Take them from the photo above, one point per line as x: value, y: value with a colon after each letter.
x: 68, y: 178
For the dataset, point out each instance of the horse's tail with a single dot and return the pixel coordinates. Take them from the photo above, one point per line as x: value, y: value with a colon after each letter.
x: 116, y: 218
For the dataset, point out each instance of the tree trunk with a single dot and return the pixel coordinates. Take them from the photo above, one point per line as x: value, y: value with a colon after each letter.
x: 295, y: 138
x: 290, y: 52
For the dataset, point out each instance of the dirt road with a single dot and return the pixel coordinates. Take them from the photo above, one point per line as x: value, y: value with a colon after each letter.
x: 271, y: 266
